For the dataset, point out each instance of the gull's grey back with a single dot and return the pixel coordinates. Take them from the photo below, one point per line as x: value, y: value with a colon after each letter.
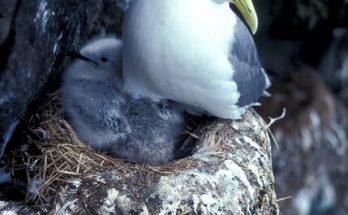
x: 245, y: 60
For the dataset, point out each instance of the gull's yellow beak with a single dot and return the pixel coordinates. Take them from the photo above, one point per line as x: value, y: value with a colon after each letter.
x: 247, y: 9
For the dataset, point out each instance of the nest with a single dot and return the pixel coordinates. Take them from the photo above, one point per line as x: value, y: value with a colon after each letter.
x: 54, y: 155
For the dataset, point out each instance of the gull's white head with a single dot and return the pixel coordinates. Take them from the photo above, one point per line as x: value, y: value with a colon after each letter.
x: 247, y: 9
x: 105, y: 53
x: 221, y: 1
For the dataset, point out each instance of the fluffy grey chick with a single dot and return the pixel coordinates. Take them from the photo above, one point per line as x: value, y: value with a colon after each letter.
x: 107, y: 118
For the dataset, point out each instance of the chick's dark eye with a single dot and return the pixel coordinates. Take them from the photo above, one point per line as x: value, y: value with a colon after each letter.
x: 104, y: 59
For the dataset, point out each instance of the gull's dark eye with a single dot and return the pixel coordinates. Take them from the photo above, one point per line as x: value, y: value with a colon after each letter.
x: 104, y: 59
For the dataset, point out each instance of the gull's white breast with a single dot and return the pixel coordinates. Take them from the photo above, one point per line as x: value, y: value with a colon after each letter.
x: 178, y: 50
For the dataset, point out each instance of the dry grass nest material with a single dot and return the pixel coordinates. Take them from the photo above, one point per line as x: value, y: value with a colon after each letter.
x: 60, y: 156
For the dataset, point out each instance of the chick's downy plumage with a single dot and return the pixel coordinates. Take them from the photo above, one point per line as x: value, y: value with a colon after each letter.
x: 110, y: 120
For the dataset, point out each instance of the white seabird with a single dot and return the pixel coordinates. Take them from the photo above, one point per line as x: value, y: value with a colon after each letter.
x: 196, y: 52
x: 108, y: 119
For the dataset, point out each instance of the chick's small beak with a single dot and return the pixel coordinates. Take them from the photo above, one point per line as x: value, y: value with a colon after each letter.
x: 247, y: 9
x: 78, y: 55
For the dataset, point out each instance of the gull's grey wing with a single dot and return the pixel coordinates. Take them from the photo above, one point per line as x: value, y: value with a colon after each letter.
x: 248, y: 72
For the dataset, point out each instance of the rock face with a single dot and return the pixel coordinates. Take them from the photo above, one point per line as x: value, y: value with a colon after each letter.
x: 297, y: 31
x: 334, y: 65
x: 311, y: 164
x: 36, y: 41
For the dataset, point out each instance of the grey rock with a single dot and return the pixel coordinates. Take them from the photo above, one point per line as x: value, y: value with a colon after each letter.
x: 44, y: 31
x: 311, y: 163
x: 17, y: 209
x: 7, y: 12
x: 334, y: 65
x: 293, y: 31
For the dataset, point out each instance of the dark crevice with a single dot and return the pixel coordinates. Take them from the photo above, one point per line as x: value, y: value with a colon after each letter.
x: 12, y: 192
x: 6, y: 48
x: 9, y: 42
